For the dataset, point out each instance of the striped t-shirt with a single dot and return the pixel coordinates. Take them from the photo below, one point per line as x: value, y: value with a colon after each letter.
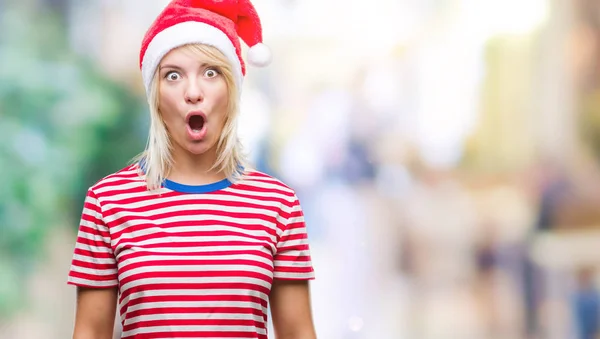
x: 191, y: 261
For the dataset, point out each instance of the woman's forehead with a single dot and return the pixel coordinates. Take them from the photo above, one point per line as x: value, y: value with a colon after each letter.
x: 186, y: 55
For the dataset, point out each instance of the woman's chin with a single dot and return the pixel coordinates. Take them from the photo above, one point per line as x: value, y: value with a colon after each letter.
x: 198, y: 148
x: 194, y: 147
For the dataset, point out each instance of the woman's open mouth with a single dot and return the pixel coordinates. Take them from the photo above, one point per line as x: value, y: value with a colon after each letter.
x: 196, y: 125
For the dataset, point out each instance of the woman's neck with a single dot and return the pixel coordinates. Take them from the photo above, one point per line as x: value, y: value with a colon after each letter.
x: 192, y: 169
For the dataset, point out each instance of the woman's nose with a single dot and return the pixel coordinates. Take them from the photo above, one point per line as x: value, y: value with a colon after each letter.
x: 194, y: 93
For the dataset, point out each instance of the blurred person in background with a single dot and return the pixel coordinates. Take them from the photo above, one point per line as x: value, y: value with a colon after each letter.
x: 586, y: 305
x: 189, y: 239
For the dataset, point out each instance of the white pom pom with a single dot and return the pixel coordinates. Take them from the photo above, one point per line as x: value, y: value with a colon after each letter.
x: 259, y: 55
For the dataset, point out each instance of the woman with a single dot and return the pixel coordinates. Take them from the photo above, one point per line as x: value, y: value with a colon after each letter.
x: 188, y: 242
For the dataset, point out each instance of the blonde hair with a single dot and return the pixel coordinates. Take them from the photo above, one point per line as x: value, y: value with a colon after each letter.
x: 156, y: 160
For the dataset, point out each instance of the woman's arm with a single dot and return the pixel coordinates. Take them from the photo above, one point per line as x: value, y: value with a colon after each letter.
x: 95, y: 313
x: 291, y: 310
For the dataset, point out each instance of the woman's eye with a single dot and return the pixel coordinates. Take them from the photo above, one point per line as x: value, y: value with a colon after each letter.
x: 211, y: 73
x: 172, y: 76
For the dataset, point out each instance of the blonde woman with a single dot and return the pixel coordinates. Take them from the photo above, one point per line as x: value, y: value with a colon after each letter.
x: 188, y: 241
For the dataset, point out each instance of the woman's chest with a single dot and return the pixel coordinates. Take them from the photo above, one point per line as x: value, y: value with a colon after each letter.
x: 201, y: 247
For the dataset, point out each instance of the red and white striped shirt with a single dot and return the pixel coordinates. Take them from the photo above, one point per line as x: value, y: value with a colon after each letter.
x: 191, y: 261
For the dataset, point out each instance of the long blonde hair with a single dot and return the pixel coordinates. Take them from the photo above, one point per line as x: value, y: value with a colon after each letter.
x: 156, y: 160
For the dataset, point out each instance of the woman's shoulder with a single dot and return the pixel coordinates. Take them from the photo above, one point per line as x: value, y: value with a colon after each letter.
x: 263, y: 180
x: 128, y: 176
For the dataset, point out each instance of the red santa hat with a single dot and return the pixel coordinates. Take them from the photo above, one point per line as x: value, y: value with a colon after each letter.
x: 219, y: 23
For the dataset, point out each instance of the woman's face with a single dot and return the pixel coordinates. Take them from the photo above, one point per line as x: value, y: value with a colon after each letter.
x: 193, y: 99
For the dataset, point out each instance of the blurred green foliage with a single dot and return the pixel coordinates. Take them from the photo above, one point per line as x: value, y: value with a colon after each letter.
x: 63, y: 126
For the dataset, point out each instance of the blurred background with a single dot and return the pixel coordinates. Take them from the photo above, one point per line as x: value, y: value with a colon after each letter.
x: 446, y: 153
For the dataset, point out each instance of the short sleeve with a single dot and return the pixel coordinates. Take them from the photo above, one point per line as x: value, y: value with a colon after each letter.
x: 93, y: 263
x: 293, y: 259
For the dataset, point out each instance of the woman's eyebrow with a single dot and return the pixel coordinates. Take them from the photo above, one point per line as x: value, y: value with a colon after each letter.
x: 171, y: 66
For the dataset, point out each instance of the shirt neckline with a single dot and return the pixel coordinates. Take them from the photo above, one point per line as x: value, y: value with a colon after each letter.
x: 183, y: 188
x: 207, y: 188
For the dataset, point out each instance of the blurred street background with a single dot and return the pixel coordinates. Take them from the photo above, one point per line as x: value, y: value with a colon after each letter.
x: 446, y: 154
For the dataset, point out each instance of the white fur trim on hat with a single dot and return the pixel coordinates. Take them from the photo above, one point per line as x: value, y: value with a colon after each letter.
x: 186, y: 33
